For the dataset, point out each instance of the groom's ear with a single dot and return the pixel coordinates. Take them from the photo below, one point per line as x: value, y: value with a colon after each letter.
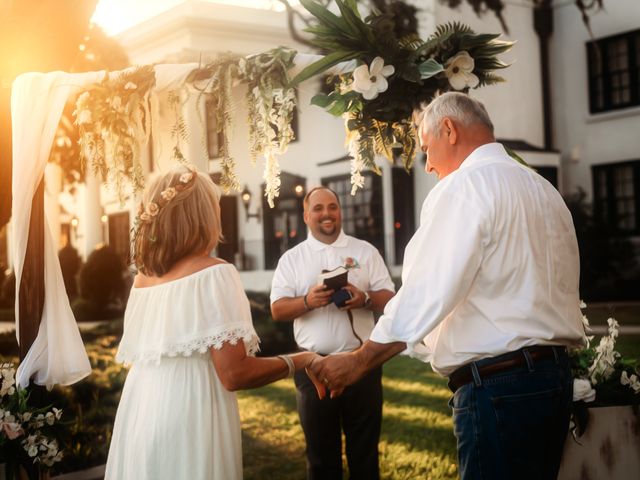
x: 450, y: 130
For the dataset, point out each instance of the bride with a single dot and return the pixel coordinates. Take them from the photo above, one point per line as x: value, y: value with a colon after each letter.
x: 189, y: 340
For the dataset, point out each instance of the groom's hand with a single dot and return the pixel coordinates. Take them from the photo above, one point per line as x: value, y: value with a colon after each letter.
x: 335, y: 372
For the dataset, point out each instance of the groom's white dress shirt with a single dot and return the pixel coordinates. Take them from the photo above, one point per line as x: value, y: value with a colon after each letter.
x: 492, y: 268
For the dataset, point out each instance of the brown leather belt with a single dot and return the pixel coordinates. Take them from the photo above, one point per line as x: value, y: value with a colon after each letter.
x: 464, y: 374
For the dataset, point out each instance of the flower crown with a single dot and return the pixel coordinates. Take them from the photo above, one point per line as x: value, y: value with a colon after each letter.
x: 149, y: 213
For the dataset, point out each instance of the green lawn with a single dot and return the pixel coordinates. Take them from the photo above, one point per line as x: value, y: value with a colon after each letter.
x: 417, y: 435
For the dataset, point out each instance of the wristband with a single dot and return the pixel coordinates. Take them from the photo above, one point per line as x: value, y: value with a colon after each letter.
x: 367, y: 300
x: 287, y: 359
x: 306, y: 305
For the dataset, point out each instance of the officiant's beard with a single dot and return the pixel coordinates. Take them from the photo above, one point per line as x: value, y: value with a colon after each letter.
x: 329, y: 230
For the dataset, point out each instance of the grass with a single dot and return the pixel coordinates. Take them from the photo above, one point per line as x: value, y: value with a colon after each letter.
x: 417, y: 434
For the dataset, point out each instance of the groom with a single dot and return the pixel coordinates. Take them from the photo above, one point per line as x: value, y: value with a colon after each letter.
x: 489, y: 296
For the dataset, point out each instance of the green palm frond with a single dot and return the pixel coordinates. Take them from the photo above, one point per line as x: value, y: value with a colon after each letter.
x: 490, y: 79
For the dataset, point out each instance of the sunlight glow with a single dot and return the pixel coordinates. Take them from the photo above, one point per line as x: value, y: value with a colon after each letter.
x: 116, y: 16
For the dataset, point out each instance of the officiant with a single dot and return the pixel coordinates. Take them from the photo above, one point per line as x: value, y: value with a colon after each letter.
x: 329, y: 321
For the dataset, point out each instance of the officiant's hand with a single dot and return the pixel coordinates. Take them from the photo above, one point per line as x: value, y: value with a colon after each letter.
x: 318, y: 296
x: 357, y: 300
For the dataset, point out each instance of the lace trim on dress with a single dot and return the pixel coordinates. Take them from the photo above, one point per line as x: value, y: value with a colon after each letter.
x: 201, y: 345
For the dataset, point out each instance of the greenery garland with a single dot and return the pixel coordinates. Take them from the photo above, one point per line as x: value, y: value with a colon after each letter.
x: 215, y: 82
x: 271, y: 102
x: 113, y: 119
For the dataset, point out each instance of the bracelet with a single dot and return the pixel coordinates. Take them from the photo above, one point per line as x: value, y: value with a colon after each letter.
x: 306, y: 305
x: 290, y: 365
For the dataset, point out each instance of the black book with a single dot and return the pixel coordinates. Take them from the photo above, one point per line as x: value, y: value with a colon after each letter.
x: 334, y: 279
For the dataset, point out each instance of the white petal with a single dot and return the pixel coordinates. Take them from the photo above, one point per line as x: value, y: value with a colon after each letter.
x: 472, y: 80
x: 361, y: 73
x: 381, y: 84
x: 458, y: 82
x: 371, y: 93
x: 388, y: 70
x: 362, y: 86
x: 465, y: 61
x: 376, y: 66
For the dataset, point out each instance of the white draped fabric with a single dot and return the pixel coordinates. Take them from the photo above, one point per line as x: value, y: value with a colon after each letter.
x: 57, y: 355
x: 37, y: 100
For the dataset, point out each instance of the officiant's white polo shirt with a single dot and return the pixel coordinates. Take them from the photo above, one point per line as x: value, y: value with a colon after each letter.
x: 327, y: 329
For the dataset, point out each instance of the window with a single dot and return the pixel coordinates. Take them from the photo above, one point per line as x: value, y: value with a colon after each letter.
x: 614, y: 72
x: 403, y: 210
x: 362, y: 214
x: 214, y: 137
x: 616, y: 196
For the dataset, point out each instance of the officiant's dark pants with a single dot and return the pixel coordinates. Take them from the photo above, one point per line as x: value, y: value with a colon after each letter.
x: 358, y: 411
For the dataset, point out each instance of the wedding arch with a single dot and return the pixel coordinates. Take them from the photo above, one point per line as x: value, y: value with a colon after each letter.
x: 377, y: 80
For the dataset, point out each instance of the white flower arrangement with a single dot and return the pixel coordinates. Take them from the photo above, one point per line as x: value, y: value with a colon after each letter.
x: 370, y: 81
x: 601, y: 375
x: 459, y: 71
x: 25, y: 433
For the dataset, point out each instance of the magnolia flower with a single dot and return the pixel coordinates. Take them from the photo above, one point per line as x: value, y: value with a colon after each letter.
x: 370, y: 81
x: 152, y: 209
x: 84, y: 117
x: 186, y: 177
x: 168, y: 194
x: 130, y: 86
x: 57, y: 412
x: 632, y: 381
x: 582, y: 390
x: 459, y: 70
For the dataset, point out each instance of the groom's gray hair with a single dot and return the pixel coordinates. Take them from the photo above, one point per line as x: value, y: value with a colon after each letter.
x: 454, y: 105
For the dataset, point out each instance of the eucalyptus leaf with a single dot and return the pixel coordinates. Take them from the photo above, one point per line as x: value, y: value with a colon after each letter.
x: 337, y: 108
x: 321, y: 100
x: 429, y: 68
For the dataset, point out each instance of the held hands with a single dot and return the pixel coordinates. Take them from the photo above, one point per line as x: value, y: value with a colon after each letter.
x: 334, y: 372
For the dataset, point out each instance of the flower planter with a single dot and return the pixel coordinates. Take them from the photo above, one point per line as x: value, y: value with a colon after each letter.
x: 609, y: 448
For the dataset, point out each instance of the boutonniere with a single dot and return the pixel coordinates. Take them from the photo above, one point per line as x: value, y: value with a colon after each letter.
x: 350, y: 263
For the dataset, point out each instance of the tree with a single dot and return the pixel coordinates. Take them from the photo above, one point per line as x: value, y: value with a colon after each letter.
x: 45, y: 35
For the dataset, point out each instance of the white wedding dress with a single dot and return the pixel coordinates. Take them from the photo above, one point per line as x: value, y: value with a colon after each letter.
x: 175, y: 420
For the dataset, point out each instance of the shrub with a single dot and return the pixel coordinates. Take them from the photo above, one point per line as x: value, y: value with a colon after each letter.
x: 102, y: 284
x: 608, y: 267
x: 275, y: 337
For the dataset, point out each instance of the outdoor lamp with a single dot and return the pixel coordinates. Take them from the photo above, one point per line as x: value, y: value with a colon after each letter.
x: 245, y: 195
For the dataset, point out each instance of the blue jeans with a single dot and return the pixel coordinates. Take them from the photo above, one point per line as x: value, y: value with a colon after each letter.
x: 513, y: 424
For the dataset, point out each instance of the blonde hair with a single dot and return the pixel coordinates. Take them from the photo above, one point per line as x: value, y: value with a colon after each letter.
x: 179, y: 216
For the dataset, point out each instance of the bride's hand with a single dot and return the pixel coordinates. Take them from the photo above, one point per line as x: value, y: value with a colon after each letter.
x: 320, y: 387
x: 304, y: 360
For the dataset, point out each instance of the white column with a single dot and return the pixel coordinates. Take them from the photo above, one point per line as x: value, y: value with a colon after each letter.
x: 90, y: 224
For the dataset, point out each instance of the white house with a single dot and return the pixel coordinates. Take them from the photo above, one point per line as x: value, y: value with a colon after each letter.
x: 595, y: 128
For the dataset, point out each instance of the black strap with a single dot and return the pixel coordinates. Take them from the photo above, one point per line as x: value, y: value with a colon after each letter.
x: 352, y: 327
